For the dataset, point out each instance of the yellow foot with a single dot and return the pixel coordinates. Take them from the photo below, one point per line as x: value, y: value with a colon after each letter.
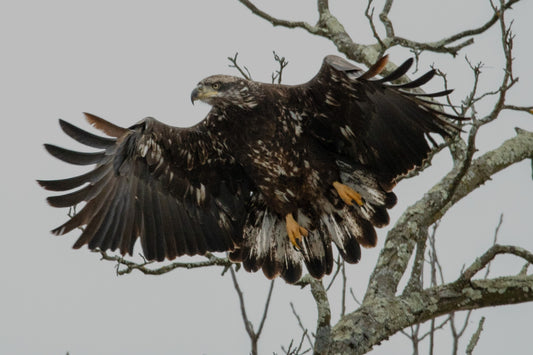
x: 295, y: 231
x: 347, y: 194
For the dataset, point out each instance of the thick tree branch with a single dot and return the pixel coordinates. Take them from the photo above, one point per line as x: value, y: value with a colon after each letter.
x: 401, y: 239
x: 323, y: 328
x: 378, y: 319
x: 381, y: 309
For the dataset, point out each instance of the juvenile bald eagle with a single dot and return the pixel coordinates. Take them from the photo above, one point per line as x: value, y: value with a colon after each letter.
x: 275, y: 174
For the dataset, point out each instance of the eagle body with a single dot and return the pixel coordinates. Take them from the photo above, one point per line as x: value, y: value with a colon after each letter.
x: 279, y: 156
x: 275, y: 174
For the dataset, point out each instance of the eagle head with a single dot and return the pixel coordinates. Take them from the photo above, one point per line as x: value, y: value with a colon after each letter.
x: 225, y: 90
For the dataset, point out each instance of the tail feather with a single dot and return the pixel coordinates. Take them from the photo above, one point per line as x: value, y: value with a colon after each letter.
x: 292, y: 272
x: 283, y: 259
x: 342, y: 236
x: 317, y: 254
x: 266, y: 246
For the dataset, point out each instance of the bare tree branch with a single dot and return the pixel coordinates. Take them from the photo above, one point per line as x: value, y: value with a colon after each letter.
x: 265, y: 311
x: 475, y: 337
x: 528, y: 109
x: 489, y: 255
x: 323, y: 327
x: 247, y: 323
x: 379, y: 318
x: 252, y: 334
x: 304, y: 330
x: 384, y: 17
x: 415, y: 282
x: 400, y: 242
x: 242, y: 70
x: 277, y: 75
x: 338, y: 262
x: 359, y: 303
x: 369, y: 13
x: 278, y: 22
x: 329, y: 27
x: 494, y: 241
x: 456, y: 335
x: 129, y: 265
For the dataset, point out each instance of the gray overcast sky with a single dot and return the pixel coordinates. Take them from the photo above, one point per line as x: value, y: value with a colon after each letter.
x: 125, y: 60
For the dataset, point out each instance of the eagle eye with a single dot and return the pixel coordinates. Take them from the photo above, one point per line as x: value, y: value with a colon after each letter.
x: 215, y: 86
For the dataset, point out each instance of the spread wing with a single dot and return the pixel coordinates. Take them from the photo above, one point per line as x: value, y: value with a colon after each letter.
x: 382, y: 126
x: 173, y: 187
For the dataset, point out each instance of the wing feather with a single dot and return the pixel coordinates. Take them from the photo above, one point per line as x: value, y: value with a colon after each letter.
x: 114, y: 219
x: 143, y: 187
x: 375, y: 69
x: 417, y: 82
x: 85, y: 137
x: 72, y: 157
x: 130, y: 222
x: 76, y: 181
x: 376, y: 124
x: 107, y: 127
x: 398, y: 72
x: 109, y: 213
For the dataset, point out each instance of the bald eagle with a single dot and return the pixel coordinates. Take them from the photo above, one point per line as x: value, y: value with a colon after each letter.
x: 275, y: 174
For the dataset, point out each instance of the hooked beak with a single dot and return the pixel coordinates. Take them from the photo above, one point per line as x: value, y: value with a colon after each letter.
x: 203, y: 93
x: 194, y: 95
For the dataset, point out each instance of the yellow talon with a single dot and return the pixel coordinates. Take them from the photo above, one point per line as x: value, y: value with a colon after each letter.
x: 295, y: 231
x: 347, y: 194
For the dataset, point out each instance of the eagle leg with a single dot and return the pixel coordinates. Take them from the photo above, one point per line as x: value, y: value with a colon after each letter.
x: 295, y: 231
x: 347, y: 194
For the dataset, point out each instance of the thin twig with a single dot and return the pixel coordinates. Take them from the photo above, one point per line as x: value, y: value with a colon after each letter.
x: 247, y: 324
x: 265, y: 311
x: 279, y: 22
x: 244, y: 70
x: 434, y: 328
x: 369, y: 13
x: 338, y: 262
x: 343, y: 301
x: 253, y: 335
x: 300, y: 323
x: 297, y: 350
x: 494, y: 241
x: 277, y: 75
x: 442, y: 46
x: 355, y: 298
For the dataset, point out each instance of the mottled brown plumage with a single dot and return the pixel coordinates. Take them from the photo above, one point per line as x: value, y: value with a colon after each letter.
x: 319, y: 159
